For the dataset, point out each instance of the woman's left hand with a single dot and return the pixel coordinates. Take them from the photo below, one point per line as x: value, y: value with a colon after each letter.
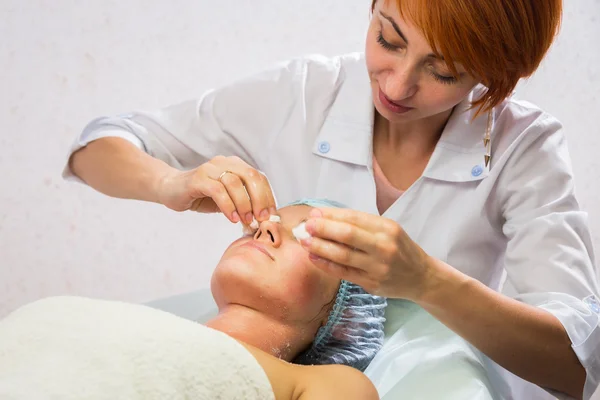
x: 368, y: 250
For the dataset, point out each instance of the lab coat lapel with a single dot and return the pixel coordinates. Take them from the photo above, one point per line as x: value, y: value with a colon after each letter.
x: 460, y: 153
x: 345, y: 145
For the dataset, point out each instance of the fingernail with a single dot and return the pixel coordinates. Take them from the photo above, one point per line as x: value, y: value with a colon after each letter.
x: 273, y: 210
x: 249, y: 218
x: 310, y: 226
x: 306, y: 242
x: 315, y: 213
x: 264, y: 214
x: 314, y: 257
x: 235, y: 217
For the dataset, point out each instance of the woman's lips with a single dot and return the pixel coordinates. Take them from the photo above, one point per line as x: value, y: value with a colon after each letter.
x: 260, y: 248
x: 390, y: 105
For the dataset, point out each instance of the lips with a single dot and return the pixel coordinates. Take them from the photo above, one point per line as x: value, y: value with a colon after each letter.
x: 259, y: 247
x: 392, y: 106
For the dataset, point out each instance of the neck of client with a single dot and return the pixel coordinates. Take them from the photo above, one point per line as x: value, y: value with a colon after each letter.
x: 280, y: 339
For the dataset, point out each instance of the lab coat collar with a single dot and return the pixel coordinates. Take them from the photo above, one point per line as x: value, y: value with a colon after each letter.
x: 346, y: 134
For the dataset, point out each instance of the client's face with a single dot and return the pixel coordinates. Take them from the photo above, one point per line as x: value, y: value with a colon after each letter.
x: 271, y: 273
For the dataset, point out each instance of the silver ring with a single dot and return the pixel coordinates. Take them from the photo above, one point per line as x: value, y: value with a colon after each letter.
x: 223, y: 174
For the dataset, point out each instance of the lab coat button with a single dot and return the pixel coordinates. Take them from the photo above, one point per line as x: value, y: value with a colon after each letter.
x: 324, y: 147
x: 477, y: 170
x: 593, y: 304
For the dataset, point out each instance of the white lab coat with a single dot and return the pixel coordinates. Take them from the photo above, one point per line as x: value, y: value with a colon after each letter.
x: 307, y: 124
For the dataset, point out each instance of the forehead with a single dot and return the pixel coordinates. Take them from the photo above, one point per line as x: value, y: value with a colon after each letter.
x: 293, y: 214
x: 392, y: 18
x: 433, y: 28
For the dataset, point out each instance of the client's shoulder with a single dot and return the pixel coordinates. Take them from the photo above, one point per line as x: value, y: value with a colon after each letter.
x: 334, y: 382
x: 306, y: 382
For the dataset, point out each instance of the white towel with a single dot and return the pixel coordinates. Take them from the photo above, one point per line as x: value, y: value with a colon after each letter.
x: 77, y: 348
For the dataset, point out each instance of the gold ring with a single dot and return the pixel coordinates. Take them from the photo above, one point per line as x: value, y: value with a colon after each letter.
x: 223, y: 174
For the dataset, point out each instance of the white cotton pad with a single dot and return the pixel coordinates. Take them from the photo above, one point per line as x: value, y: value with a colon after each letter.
x: 250, y: 229
x: 247, y: 230
x: 253, y: 227
x: 300, y: 232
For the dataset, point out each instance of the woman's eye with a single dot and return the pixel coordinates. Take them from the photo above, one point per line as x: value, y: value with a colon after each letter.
x: 384, y: 43
x: 447, y: 80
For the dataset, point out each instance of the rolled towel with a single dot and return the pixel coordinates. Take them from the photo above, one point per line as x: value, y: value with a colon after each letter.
x: 78, y: 348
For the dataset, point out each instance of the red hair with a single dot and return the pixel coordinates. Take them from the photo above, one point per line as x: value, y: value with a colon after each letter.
x: 497, y: 41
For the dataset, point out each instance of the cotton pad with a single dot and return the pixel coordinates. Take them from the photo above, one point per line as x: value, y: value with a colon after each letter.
x: 250, y: 229
x: 253, y: 227
x: 300, y: 232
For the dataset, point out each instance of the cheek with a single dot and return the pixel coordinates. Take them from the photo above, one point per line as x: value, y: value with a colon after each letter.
x: 304, y: 289
x: 226, y: 276
x: 440, y: 97
x: 218, y: 288
x: 236, y: 277
x: 310, y: 289
x: 375, y: 56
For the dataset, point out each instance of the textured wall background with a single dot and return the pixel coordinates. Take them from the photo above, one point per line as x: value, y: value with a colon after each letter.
x: 64, y: 62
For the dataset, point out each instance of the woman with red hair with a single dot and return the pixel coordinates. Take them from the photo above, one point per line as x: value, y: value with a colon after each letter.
x: 453, y: 182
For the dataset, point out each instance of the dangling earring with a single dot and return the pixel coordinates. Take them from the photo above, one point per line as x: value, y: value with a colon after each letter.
x: 487, y: 141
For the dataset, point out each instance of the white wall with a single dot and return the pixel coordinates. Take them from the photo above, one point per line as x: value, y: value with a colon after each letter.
x: 64, y: 62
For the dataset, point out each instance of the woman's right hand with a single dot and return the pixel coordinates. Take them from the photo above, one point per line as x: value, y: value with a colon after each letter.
x: 223, y: 184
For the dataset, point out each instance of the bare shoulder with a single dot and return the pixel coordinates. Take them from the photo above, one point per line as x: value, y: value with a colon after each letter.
x: 302, y: 382
x: 334, y: 382
x: 281, y: 374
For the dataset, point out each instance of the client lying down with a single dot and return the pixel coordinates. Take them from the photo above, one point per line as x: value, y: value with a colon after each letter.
x: 275, y: 307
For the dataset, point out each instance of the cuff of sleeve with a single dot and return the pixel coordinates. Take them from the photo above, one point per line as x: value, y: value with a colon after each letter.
x: 88, y: 136
x: 581, y: 319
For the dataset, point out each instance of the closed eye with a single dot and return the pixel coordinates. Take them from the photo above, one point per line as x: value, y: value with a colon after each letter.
x: 384, y: 43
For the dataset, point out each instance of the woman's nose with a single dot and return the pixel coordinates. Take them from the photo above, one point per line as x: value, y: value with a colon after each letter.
x: 269, y: 232
x: 401, y: 84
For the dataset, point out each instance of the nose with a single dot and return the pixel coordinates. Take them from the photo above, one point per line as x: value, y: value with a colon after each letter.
x: 402, y: 83
x: 269, y: 232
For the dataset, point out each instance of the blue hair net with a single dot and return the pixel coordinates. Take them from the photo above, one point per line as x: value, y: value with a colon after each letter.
x: 353, y: 333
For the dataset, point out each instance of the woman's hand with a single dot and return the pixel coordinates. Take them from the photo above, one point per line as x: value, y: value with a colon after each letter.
x: 223, y: 184
x: 369, y: 250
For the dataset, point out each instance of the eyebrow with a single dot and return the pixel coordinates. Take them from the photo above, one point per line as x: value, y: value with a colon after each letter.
x: 394, y: 25
x: 399, y: 32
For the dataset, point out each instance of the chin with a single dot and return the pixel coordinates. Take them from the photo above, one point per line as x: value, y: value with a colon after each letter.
x: 237, y: 281
x: 217, y: 289
x: 230, y: 277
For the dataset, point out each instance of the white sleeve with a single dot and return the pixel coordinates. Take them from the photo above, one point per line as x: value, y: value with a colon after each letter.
x: 239, y: 119
x: 96, y: 130
x: 549, y: 259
